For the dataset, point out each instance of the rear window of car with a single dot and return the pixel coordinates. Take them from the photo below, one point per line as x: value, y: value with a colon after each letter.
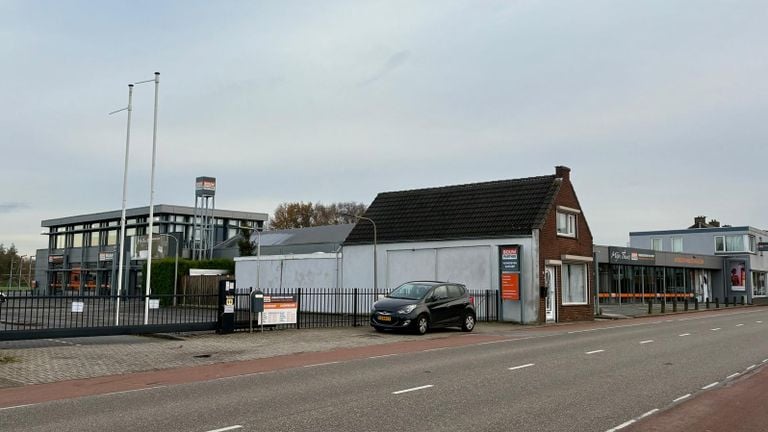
x: 455, y: 291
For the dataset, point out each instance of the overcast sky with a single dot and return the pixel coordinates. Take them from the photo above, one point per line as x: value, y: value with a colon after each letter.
x: 658, y: 107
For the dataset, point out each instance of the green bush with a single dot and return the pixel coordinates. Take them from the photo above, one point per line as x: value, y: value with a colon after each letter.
x: 162, y: 273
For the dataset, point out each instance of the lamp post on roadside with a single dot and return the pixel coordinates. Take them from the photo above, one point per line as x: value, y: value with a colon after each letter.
x: 10, y: 275
x: 375, y: 239
x: 129, y: 108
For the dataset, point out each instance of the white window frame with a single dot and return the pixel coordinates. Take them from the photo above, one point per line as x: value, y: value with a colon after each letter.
x: 748, y: 242
x: 661, y: 244
x: 674, y: 239
x: 565, y: 281
x: 570, y: 224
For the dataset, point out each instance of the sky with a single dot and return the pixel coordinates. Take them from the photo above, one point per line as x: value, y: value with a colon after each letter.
x: 658, y: 107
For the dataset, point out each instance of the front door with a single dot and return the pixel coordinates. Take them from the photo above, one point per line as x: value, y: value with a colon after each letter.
x: 549, y: 280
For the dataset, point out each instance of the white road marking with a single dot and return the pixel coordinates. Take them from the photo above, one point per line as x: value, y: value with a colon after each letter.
x: 715, y: 329
x: 685, y: 334
x: 594, y: 352
x: 522, y: 366
x: 709, y: 386
x: 412, y: 389
x: 759, y: 322
x: 681, y: 398
x: 668, y: 321
x: 621, y: 426
x: 495, y: 342
x: 17, y: 406
x: 739, y: 325
x: 733, y: 375
x: 226, y: 428
x: 436, y: 349
x: 765, y: 361
x: 655, y: 410
x: 131, y: 391
x: 321, y: 364
x: 751, y: 367
x: 382, y: 356
x: 646, y: 341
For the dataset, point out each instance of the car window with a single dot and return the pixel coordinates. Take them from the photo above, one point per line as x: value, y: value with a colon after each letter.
x: 410, y: 291
x: 441, y: 292
x: 455, y: 291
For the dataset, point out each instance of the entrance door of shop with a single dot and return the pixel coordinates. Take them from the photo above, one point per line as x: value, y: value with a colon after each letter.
x: 701, y: 285
x: 549, y: 275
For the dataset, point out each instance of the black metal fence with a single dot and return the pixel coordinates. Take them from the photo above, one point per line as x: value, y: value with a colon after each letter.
x: 26, y: 315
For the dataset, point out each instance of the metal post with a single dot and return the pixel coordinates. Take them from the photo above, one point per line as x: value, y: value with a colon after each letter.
x: 21, y: 266
x: 151, y: 205
x: 121, y: 242
x: 10, y: 275
x: 29, y: 275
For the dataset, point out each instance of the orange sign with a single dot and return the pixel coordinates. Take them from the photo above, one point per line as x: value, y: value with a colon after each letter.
x: 510, y: 286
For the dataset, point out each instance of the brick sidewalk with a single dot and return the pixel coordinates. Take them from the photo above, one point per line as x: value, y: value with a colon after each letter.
x: 52, y: 360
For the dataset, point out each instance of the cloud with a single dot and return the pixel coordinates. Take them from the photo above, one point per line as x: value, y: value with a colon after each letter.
x: 395, y: 61
x: 10, y: 207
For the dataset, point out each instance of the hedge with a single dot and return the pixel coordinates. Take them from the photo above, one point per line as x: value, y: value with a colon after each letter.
x: 162, y: 271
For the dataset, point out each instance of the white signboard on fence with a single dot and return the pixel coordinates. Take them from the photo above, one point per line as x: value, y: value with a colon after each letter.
x: 279, y: 310
x: 78, y: 306
x: 154, y: 303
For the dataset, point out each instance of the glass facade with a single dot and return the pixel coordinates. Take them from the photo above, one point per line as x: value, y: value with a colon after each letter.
x: 620, y: 283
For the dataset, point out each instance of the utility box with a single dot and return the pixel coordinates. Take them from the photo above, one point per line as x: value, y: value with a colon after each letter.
x: 226, y: 316
x: 257, y: 301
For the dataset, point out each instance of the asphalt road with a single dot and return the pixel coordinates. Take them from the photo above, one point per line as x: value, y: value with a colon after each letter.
x: 595, y: 379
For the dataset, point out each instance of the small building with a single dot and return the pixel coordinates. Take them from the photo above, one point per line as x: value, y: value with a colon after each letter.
x: 325, y: 238
x: 82, y: 255
x: 744, y: 267
x: 528, y: 238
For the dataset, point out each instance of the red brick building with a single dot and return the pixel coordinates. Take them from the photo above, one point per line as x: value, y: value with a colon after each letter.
x: 527, y: 238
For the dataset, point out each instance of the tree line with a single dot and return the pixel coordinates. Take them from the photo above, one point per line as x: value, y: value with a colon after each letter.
x: 11, y: 255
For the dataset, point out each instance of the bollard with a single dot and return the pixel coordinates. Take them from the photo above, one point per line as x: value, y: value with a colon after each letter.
x: 717, y: 303
x: 742, y: 300
x: 725, y: 301
x: 664, y: 306
x: 734, y: 300
x: 674, y: 304
x: 650, y: 306
x: 707, y: 299
x: 685, y: 304
x: 695, y: 303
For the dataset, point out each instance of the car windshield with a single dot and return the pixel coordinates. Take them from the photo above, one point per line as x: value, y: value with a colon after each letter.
x: 411, y: 291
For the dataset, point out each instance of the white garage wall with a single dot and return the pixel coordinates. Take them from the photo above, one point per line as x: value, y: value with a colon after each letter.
x: 288, y: 271
x: 470, y: 265
x: 410, y: 265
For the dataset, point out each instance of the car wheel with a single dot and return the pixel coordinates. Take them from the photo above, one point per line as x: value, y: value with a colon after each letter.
x: 422, y: 325
x: 468, y: 323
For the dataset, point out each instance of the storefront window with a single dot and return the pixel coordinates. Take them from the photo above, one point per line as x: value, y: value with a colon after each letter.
x: 758, y: 284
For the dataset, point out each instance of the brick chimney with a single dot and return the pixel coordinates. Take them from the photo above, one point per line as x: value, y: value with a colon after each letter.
x: 563, y: 172
x: 714, y: 223
x: 699, y: 221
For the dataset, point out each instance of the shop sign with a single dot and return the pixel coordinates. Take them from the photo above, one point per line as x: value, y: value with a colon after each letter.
x: 106, y: 256
x: 509, y: 266
x: 632, y: 256
x: 55, y: 259
x: 689, y: 260
x: 762, y: 246
x: 280, y: 309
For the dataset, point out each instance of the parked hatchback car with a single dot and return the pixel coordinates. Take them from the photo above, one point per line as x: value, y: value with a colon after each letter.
x: 421, y: 305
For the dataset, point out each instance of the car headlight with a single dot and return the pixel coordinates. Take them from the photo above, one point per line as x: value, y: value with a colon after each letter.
x: 406, y: 309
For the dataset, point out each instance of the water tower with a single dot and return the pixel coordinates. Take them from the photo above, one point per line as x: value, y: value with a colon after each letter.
x: 204, y: 223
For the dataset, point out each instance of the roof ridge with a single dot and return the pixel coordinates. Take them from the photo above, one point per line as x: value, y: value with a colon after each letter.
x: 464, y: 185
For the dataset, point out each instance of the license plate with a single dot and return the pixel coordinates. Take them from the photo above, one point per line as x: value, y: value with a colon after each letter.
x: 385, y: 318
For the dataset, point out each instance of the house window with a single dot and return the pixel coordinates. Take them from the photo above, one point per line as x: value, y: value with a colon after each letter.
x: 574, y: 284
x: 735, y: 243
x: 566, y: 224
x: 656, y: 244
x: 677, y: 244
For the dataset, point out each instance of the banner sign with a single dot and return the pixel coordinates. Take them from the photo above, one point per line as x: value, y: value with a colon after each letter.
x: 279, y: 309
x: 631, y: 256
x: 509, y: 268
x: 140, y: 247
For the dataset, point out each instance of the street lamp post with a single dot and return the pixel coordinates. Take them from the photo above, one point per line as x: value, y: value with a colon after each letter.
x: 151, y: 199
x: 10, y: 275
x: 121, y: 259
x: 375, y: 239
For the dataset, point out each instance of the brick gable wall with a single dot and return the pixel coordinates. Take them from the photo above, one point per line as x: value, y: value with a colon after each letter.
x: 552, y: 247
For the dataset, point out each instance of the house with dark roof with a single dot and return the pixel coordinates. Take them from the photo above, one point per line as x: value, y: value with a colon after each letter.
x: 527, y: 238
